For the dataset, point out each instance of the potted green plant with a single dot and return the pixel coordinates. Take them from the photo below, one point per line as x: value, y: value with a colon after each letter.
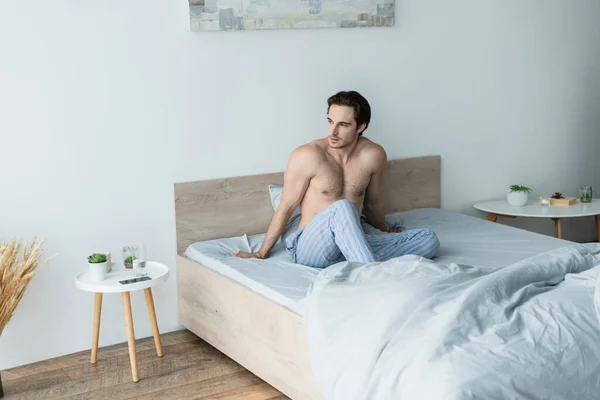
x: 98, y: 266
x: 558, y: 199
x: 129, y: 262
x: 587, y: 193
x: 518, y: 195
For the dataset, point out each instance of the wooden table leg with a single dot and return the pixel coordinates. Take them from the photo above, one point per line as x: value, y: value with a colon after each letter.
x: 494, y: 217
x: 96, y: 328
x: 130, y: 334
x: 558, y: 227
x: 154, y: 323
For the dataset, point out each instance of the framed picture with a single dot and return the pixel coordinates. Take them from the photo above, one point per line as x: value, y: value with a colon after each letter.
x: 226, y: 15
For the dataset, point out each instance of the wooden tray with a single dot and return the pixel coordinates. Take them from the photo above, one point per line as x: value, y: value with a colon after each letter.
x: 567, y: 201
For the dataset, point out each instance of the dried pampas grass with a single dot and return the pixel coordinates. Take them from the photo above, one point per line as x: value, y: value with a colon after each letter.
x: 18, y: 263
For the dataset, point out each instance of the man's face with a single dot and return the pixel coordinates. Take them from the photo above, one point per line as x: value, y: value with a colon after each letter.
x: 342, y: 129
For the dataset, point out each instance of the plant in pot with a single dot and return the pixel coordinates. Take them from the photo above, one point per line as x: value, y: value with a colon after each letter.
x: 98, y: 266
x: 518, y: 195
x: 128, y: 256
x: 587, y: 193
x: 129, y: 262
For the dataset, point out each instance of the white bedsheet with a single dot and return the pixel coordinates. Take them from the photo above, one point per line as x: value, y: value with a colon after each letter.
x: 464, y: 240
x: 276, y: 277
x: 419, y: 329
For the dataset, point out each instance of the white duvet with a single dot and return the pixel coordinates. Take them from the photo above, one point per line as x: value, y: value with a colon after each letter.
x: 411, y: 328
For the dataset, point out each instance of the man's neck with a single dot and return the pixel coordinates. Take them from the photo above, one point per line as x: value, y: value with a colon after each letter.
x: 343, y: 155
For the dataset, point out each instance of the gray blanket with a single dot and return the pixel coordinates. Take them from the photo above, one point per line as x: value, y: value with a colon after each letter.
x: 411, y: 328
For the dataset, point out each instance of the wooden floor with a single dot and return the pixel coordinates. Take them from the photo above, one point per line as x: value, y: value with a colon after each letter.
x: 188, y: 369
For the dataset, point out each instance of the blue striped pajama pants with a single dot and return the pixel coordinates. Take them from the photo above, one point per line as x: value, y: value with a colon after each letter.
x: 336, y: 234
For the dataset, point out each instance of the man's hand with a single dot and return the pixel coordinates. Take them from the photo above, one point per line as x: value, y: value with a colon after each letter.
x: 243, y: 254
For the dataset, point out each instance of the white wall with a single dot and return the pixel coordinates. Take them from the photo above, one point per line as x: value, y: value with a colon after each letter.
x: 105, y: 104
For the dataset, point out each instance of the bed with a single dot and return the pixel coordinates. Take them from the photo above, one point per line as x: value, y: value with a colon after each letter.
x: 263, y: 336
x: 249, y: 310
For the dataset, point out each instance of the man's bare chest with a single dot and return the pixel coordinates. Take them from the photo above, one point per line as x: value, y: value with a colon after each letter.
x: 342, y: 182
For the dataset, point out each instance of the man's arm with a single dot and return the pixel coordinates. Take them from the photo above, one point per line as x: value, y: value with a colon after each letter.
x: 373, y: 204
x: 300, y: 170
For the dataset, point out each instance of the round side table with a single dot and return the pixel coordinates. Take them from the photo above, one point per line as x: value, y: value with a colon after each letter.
x: 157, y: 272
x: 501, y: 208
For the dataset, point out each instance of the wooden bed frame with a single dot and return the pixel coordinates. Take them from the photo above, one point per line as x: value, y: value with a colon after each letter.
x: 263, y: 336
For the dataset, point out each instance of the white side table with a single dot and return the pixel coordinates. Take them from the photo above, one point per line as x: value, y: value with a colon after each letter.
x: 501, y: 208
x: 157, y: 271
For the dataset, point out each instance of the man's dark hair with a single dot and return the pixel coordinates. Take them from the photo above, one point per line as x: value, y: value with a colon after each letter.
x: 362, y: 109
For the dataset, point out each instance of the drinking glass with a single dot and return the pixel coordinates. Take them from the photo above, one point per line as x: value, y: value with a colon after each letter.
x: 586, y: 194
x: 139, y: 259
x: 128, y: 255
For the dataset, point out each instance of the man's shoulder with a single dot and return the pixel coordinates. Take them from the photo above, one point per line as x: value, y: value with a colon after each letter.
x: 307, y: 153
x: 373, y: 151
x: 309, y: 150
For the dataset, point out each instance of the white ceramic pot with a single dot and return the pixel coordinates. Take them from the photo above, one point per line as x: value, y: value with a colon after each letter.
x: 108, y: 262
x: 98, y: 271
x: 517, y: 198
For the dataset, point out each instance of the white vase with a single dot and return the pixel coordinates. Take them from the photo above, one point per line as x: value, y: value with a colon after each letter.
x: 98, y: 271
x: 517, y: 198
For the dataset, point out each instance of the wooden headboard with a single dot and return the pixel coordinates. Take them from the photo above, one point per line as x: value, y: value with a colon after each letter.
x: 217, y: 208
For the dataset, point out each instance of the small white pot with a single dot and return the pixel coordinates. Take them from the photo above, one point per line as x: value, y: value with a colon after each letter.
x: 518, y: 199
x: 98, y: 271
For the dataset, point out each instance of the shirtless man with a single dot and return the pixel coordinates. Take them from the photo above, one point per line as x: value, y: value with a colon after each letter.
x: 334, y: 180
